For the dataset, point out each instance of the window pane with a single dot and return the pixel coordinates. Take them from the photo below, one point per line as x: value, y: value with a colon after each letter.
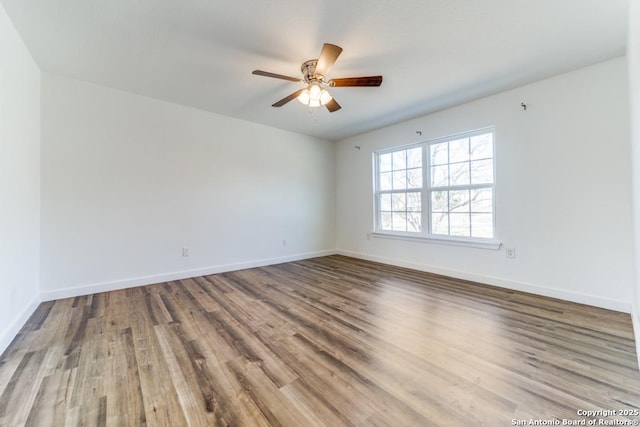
x: 482, y: 200
x: 440, y: 223
x: 398, y: 202
x: 414, y: 158
x: 482, y: 146
x: 459, y: 201
x: 459, y: 150
x: 385, y: 202
x: 439, y: 201
x: 482, y: 171
x: 459, y: 224
x: 414, y: 202
x: 414, y: 178
x: 439, y: 153
x: 399, y: 180
x: 482, y: 225
x: 385, y: 162
x: 399, y: 221
x: 414, y: 221
x: 399, y: 160
x: 385, y: 181
x: 440, y: 176
x: 459, y: 173
x: 385, y: 219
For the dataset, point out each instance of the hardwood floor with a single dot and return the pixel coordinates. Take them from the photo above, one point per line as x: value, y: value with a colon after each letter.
x: 329, y: 341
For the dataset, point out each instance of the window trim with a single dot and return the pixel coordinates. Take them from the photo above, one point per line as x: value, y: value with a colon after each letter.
x: 426, y: 189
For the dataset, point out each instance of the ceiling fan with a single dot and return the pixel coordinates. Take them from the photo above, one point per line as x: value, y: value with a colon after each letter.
x: 314, y: 72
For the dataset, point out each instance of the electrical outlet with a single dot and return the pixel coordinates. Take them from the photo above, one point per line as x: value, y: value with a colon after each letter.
x: 368, y: 236
x: 185, y: 251
x: 510, y: 252
x: 284, y: 242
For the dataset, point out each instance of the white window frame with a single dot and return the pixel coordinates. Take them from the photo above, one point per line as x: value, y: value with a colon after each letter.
x: 425, y: 234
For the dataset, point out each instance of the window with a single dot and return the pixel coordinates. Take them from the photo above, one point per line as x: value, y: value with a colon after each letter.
x: 439, y: 188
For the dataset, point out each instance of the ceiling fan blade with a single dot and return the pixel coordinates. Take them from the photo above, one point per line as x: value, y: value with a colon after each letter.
x: 328, y: 56
x: 275, y: 76
x: 356, y: 81
x: 286, y: 99
x: 332, y: 105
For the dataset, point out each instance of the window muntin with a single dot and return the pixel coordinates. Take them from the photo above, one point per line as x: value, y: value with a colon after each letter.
x: 443, y: 187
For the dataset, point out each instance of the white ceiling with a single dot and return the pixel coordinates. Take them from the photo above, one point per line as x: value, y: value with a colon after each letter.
x: 432, y: 53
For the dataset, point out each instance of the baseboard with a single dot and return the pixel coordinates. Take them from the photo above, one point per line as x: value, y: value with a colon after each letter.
x: 635, y: 316
x: 177, y: 275
x: 494, y: 281
x: 12, y: 330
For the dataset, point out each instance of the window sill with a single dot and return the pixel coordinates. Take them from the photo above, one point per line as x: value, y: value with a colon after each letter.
x: 491, y: 244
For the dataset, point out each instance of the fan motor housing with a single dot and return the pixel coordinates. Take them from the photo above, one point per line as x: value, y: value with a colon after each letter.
x: 308, y: 69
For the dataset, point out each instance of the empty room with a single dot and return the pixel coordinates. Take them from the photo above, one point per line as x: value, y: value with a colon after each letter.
x: 363, y: 213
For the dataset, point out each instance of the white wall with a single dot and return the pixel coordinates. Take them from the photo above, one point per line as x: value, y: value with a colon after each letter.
x: 19, y: 181
x: 128, y: 181
x: 633, y: 58
x: 563, y: 196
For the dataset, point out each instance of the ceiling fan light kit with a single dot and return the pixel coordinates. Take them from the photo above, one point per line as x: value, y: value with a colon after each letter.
x: 314, y: 95
x: 314, y: 72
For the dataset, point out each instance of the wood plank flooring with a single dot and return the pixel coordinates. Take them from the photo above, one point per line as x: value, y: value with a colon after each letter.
x: 330, y: 341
